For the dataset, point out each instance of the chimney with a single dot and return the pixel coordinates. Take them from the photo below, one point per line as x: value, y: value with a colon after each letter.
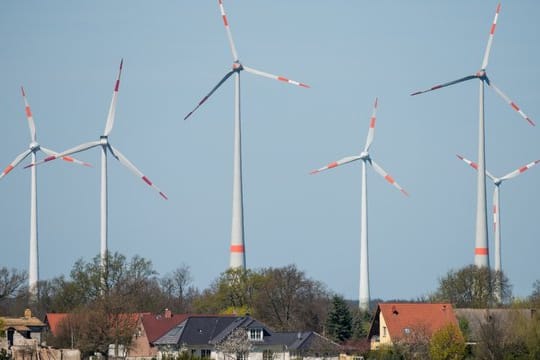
x: 167, y: 314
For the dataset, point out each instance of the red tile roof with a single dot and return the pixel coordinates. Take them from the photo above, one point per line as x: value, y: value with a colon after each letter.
x: 156, y: 326
x: 429, y: 317
x: 53, y: 320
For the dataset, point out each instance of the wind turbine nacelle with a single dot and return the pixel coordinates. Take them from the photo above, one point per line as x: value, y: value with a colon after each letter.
x: 34, y: 146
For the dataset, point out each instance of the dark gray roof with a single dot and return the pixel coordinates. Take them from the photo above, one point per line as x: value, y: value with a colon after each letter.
x: 245, y: 322
x: 204, y: 330
x: 196, y: 330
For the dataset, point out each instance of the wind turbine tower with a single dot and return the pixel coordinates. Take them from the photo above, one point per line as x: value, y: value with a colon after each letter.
x: 366, y: 159
x: 237, y: 248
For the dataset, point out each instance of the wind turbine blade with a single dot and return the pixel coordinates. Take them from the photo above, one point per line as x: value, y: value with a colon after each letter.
x: 519, y: 171
x: 112, y: 108
x: 124, y: 161
x: 371, y: 131
x: 490, y: 39
x: 475, y: 166
x: 511, y: 103
x: 29, y: 116
x: 228, y: 29
x: 15, y: 162
x: 345, y: 160
x: 73, y: 150
x: 387, y: 177
x: 275, y: 77
x: 436, y: 87
x: 210, y: 93
x: 65, y: 158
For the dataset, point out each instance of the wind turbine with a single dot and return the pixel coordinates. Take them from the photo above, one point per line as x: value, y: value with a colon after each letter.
x: 366, y: 159
x: 481, y: 256
x: 33, y: 148
x: 106, y: 147
x: 496, y: 202
x: 237, y: 249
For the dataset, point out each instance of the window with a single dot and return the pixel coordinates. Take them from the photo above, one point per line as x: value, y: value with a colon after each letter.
x: 205, y: 353
x: 241, y: 356
x: 255, y: 334
x: 268, y: 355
x: 384, y: 331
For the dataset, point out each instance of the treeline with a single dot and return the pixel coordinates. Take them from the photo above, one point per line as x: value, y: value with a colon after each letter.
x: 100, y: 297
x: 284, y: 298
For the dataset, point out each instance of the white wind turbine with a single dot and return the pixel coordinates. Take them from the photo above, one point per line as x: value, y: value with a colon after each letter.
x: 496, y: 202
x: 106, y: 147
x: 481, y: 256
x: 237, y: 249
x: 365, y: 156
x: 33, y: 148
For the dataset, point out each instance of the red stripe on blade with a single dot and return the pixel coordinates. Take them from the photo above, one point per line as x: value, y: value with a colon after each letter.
x: 28, y: 111
x: 281, y: 78
x: 8, y: 169
x: 389, y: 179
x: 225, y: 21
x: 372, y: 123
x: 146, y: 180
x: 514, y: 106
x: 67, y: 158
x: 333, y: 165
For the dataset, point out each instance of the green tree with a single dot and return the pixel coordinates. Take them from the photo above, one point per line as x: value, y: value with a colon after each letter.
x: 232, y: 292
x: 339, y: 320
x: 361, y: 323
x: 447, y: 344
x: 472, y: 287
x: 524, y: 334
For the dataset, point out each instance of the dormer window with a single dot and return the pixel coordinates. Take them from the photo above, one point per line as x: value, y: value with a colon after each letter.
x: 255, y: 334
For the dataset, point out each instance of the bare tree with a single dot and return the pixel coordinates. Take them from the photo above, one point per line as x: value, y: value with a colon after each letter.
x: 11, y: 282
x: 177, y: 289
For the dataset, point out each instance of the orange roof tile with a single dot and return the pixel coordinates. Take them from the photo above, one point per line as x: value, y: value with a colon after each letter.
x: 53, y: 320
x: 428, y: 316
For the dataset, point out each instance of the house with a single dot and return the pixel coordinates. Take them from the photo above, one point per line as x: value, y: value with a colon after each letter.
x: 139, y: 348
x: 242, y: 338
x: 53, y: 322
x: 22, y: 331
x: 408, y: 321
x: 475, y: 319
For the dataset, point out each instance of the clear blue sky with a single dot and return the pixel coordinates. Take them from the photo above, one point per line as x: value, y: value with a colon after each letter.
x: 66, y: 55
